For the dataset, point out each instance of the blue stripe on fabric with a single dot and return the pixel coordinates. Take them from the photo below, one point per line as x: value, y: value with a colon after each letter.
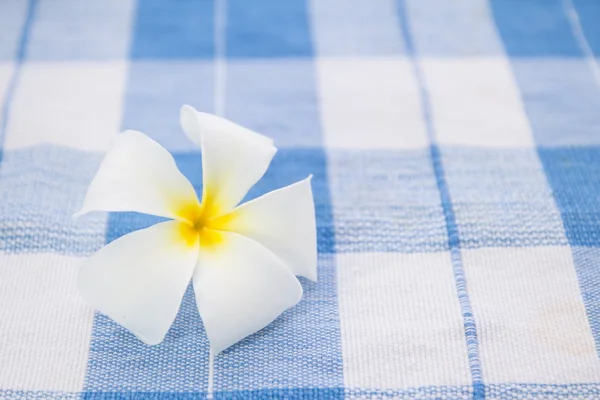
x: 469, y: 323
x: 17, y: 61
x: 182, y: 29
x: 267, y: 29
x: 588, y: 12
x: 535, y: 28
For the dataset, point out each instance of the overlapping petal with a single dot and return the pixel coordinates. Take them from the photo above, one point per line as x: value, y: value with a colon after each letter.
x: 233, y: 158
x: 139, y: 279
x: 138, y: 174
x: 240, y: 288
x: 284, y: 222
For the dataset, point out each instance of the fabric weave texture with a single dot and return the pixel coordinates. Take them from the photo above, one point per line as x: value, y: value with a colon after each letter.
x: 455, y: 149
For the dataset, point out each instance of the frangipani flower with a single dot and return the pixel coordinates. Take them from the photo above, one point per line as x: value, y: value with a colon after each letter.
x: 242, y: 260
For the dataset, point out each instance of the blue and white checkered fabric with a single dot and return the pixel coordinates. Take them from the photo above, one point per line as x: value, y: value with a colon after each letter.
x: 455, y: 147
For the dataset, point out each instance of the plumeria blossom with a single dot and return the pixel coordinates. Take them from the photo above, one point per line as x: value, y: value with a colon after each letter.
x: 242, y: 259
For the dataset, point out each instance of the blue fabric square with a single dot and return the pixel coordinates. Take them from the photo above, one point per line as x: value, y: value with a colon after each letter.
x: 41, y: 188
x: 501, y: 198
x: 574, y: 175
x: 268, y: 28
x: 588, y: 12
x: 277, y: 98
x: 120, y: 362
x: 336, y: 34
x: 531, y: 28
x: 386, y: 201
x: 71, y: 30
x: 561, y: 100
x: 155, y: 92
x: 181, y: 29
x: 12, y: 21
x: 443, y: 28
x: 152, y: 395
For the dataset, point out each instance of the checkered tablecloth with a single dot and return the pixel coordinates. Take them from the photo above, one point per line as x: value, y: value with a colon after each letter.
x: 455, y: 148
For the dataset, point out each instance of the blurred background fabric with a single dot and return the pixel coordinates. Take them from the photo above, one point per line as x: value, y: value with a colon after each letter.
x: 455, y: 148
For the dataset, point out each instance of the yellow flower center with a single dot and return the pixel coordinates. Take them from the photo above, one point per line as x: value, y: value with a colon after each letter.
x: 201, y: 224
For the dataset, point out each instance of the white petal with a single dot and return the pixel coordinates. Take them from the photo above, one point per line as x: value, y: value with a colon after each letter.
x: 195, y: 123
x: 138, y: 174
x: 139, y: 279
x: 284, y: 222
x: 240, y: 288
x: 233, y: 158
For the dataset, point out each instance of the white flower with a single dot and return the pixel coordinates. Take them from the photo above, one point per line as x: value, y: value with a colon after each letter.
x: 242, y: 259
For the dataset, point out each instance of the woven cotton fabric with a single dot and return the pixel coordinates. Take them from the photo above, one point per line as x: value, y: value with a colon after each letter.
x: 455, y: 148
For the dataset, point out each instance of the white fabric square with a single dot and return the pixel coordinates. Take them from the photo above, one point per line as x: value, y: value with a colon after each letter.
x: 531, y: 320
x: 476, y: 102
x: 75, y: 104
x: 369, y: 103
x: 400, y: 320
x: 45, y: 327
x: 6, y: 73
